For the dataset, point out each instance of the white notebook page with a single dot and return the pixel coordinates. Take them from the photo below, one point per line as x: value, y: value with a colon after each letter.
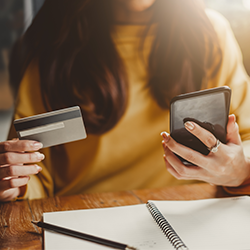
x: 213, y: 224
x: 131, y: 225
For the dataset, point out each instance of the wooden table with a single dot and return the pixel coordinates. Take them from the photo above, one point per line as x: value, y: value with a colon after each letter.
x: 17, y: 231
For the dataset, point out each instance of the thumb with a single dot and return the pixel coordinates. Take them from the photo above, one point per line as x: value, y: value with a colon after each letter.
x: 233, y: 135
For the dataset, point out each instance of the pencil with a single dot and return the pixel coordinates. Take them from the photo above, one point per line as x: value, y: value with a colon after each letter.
x: 83, y: 236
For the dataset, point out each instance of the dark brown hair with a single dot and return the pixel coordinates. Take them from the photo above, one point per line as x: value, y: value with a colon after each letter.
x: 79, y: 65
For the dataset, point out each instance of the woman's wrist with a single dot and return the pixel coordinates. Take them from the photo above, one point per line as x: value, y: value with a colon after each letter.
x: 246, y: 180
x: 244, y: 187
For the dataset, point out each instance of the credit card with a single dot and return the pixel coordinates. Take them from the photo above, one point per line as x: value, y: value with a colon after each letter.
x: 52, y: 128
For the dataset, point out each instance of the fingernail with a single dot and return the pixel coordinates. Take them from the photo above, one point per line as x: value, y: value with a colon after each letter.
x: 165, y: 136
x: 38, y: 168
x: 37, y: 145
x: 40, y: 156
x: 189, y: 125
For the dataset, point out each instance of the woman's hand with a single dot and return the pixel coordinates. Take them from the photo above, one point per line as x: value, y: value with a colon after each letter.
x: 13, y: 174
x: 228, y: 166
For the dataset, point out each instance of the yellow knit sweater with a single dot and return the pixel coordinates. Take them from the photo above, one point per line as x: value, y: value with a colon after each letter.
x: 130, y: 155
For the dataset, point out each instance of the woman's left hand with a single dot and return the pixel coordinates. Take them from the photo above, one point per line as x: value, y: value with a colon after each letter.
x: 228, y: 166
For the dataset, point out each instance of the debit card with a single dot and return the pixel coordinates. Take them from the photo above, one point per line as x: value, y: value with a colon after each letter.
x: 52, y: 128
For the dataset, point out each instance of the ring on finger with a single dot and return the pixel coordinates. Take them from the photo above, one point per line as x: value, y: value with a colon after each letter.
x: 214, y: 149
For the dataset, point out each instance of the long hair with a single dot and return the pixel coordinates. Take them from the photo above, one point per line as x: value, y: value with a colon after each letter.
x: 79, y: 65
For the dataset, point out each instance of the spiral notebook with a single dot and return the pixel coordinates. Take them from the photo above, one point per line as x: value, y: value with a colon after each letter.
x: 212, y: 224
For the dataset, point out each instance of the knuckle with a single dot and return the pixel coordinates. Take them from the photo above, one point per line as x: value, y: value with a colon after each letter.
x: 33, y: 157
x: 7, y: 158
x: 30, y: 157
x: 6, y: 146
x: 197, y: 131
x: 223, y: 170
x: 25, y: 145
x: 210, y: 141
x: 229, y: 160
x: 10, y: 171
x: 191, y: 157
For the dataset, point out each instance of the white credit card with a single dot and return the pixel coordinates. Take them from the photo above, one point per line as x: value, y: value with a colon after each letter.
x: 52, y: 128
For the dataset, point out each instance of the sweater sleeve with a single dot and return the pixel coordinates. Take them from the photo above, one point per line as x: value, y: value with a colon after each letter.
x: 28, y: 103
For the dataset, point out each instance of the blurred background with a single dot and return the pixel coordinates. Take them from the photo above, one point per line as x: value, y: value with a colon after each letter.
x: 16, y: 16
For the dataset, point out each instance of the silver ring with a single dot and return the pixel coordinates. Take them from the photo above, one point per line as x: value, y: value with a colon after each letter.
x: 214, y: 149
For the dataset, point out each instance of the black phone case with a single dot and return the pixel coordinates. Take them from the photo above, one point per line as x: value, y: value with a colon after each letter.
x: 181, y: 135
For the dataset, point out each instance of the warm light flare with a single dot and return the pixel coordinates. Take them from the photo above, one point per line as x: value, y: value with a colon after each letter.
x: 246, y: 4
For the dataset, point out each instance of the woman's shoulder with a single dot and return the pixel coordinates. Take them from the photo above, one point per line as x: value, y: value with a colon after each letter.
x: 219, y: 22
x: 221, y: 26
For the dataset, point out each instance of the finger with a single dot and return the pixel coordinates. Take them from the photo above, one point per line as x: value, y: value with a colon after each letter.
x: 233, y: 135
x: 167, y: 155
x: 13, y: 182
x: 20, y: 158
x: 179, y: 170
x: 19, y: 146
x: 9, y: 194
x: 19, y: 170
x: 188, y: 154
x: 202, y: 134
x: 170, y: 169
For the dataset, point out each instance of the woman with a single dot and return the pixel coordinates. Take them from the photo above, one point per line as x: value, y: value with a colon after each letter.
x: 122, y: 61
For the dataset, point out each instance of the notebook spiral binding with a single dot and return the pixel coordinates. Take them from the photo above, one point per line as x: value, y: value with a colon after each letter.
x: 166, y: 227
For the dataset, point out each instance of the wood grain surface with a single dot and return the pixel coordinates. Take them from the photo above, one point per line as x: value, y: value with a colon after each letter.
x: 17, y: 231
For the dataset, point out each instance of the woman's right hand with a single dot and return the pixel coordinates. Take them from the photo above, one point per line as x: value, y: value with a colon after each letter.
x: 14, y: 175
